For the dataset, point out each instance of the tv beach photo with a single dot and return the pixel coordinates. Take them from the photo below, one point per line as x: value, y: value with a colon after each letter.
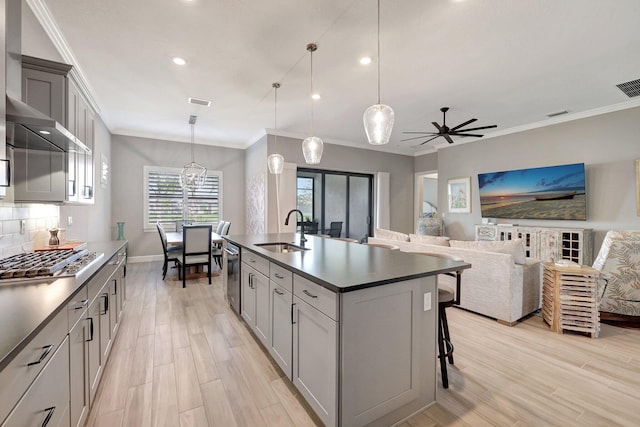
x: 552, y: 192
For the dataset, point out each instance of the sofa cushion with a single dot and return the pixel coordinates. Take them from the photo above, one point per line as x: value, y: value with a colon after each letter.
x: 511, y: 247
x: 429, y: 240
x: 389, y: 234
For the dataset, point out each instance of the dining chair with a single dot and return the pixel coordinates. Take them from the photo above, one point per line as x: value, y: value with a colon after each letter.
x: 219, y: 227
x: 196, y: 249
x: 171, y: 253
x: 335, y: 228
x: 446, y: 299
x: 217, y: 251
x: 181, y: 223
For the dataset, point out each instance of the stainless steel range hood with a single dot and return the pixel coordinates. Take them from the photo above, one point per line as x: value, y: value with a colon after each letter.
x: 44, y: 133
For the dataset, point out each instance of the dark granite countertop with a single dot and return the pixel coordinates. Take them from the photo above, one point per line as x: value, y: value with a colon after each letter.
x: 27, y: 307
x: 344, y: 266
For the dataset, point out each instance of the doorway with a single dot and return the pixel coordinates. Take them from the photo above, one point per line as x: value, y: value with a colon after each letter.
x: 326, y: 197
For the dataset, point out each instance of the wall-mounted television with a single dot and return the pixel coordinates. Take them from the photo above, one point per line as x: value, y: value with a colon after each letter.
x: 552, y: 192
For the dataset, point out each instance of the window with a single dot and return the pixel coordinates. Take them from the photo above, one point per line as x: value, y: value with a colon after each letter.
x: 166, y: 201
x: 304, y: 196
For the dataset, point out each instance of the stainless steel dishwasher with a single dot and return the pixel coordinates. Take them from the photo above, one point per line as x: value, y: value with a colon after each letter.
x: 231, y: 274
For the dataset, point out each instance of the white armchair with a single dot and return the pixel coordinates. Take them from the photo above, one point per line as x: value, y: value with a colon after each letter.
x: 619, y: 264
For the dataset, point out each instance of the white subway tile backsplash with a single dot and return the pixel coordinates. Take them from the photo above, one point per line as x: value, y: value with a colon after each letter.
x: 38, y: 220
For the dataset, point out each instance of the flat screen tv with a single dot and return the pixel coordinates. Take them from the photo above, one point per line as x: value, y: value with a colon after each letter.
x: 552, y: 192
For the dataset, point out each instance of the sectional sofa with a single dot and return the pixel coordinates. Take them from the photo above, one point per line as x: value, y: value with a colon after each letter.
x: 502, y: 283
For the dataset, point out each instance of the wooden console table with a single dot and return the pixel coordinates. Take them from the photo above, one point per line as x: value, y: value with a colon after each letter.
x: 570, y: 299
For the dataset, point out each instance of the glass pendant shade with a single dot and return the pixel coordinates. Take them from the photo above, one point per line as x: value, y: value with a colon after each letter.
x: 312, y: 149
x: 378, y: 123
x: 275, y: 163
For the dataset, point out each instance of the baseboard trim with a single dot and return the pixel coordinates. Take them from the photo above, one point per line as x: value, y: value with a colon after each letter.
x: 145, y: 258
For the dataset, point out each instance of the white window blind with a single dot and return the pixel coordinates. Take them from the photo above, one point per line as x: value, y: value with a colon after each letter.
x: 166, y: 201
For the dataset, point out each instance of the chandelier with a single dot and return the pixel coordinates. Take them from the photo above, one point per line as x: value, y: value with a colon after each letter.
x: 192, y: 175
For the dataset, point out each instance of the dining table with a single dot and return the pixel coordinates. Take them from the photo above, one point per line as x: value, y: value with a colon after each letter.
x: 175, y: 238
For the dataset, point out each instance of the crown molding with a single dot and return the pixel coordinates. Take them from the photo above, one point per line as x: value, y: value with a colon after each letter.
x: 44, y: 17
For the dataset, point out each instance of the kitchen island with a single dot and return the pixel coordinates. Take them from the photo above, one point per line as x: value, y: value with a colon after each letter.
x: 353, y: 327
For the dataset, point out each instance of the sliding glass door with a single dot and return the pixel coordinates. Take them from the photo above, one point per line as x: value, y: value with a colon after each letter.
x: 342, y: 198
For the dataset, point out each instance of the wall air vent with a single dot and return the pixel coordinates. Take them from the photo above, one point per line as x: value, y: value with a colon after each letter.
x: 557, y: 113
x: 631, y: 89
x: 199, y: 101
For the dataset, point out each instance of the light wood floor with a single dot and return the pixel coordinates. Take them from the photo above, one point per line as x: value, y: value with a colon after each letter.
x: 183, y: 358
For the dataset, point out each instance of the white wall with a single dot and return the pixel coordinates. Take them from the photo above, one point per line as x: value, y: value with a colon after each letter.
x: 130, y: 154
x: 607, y: 144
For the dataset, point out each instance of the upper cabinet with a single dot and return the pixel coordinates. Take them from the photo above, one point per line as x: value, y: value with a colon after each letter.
x: 49, y: 87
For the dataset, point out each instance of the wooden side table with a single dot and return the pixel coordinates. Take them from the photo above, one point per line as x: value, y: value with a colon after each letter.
x: 570, y: 298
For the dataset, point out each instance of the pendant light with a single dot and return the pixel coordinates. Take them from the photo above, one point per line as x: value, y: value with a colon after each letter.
x: 312, y: 145
x: 378, y: 119
x: 192, y: 175
x: 275, y: 161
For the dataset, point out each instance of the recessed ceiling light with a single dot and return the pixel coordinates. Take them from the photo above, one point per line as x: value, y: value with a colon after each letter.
x: 365, y: 60
x: 179, y: 61
x: 315, y: 96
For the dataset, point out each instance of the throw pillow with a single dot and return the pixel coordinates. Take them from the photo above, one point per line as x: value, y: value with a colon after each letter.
x: 429, y: 240
x: 381, y: 233
x: 511, y: 247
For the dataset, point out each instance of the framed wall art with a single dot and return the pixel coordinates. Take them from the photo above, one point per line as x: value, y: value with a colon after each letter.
x: 459, y: 195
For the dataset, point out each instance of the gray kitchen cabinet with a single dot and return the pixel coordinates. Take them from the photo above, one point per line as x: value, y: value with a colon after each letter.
x: 255, y: 302
x: 46, y: 401
x: 105, y: 325
x: 93, y: 362
x: 255, y: 294
x: 281, y: 338
x: 113, y: 306
x: 44, y: 86
x: 79, y: 371
x: 315, y: 359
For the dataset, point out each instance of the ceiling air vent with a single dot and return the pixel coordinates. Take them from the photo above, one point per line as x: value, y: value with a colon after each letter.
x: 557, y: 113
x: 199, y: 101
x: 631, y: 89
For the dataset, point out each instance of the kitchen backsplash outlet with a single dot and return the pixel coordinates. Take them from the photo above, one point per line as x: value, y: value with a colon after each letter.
x: 38, y: 219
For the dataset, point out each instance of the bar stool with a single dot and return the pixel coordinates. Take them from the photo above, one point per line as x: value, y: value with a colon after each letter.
x: 446, y: 299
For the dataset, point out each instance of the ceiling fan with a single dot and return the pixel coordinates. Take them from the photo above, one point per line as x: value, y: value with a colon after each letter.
x: 448, y: 132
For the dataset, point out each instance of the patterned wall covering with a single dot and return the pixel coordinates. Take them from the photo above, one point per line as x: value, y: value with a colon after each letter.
x: 256, y: 191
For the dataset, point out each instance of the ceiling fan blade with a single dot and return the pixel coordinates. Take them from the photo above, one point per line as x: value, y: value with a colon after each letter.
x: 436, y: 125
x: 463, y: 124
x: 416, y: 137
x: 464, y: 134
x: 422, y: 143
x: 448, y: 138
x: 478, y: 128
x: 432, y: 133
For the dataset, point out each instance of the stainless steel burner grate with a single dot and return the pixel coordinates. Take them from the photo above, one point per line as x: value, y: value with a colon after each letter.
x: 39, y: 264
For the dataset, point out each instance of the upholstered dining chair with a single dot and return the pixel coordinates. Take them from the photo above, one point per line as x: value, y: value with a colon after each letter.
x: 219, y: 227
x: 335, y: 229
x: 171, y: 253
x: 196, y: 249
x: 446, y: 298
x: 217, y: 250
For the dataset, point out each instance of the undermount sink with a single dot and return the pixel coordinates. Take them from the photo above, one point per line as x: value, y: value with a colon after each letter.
x: 281, y: 247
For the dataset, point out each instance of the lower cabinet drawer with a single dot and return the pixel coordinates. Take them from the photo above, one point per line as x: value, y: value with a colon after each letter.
x: 21, y: 371
x: 317, y: 296
x: 46, y: 402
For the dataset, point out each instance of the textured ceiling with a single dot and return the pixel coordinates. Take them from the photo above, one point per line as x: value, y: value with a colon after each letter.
x: 504, y: 62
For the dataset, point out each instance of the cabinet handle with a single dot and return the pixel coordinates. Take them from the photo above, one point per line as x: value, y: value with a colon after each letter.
x: 252, y: 260
x: 82, y: 305
x: 49, y: 412
x: 115, y: 287
x: 90, y: 329
x: 251, y: 285
x: 72, y: 186
x: 292, y: 322
x: 309, y: 294
x: 278, y: 291
x: 106, y: 303
x: 47, y: 349
x: 278, y: 276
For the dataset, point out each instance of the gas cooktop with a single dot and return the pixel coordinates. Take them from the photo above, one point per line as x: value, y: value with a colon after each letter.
x: 34, y: 265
